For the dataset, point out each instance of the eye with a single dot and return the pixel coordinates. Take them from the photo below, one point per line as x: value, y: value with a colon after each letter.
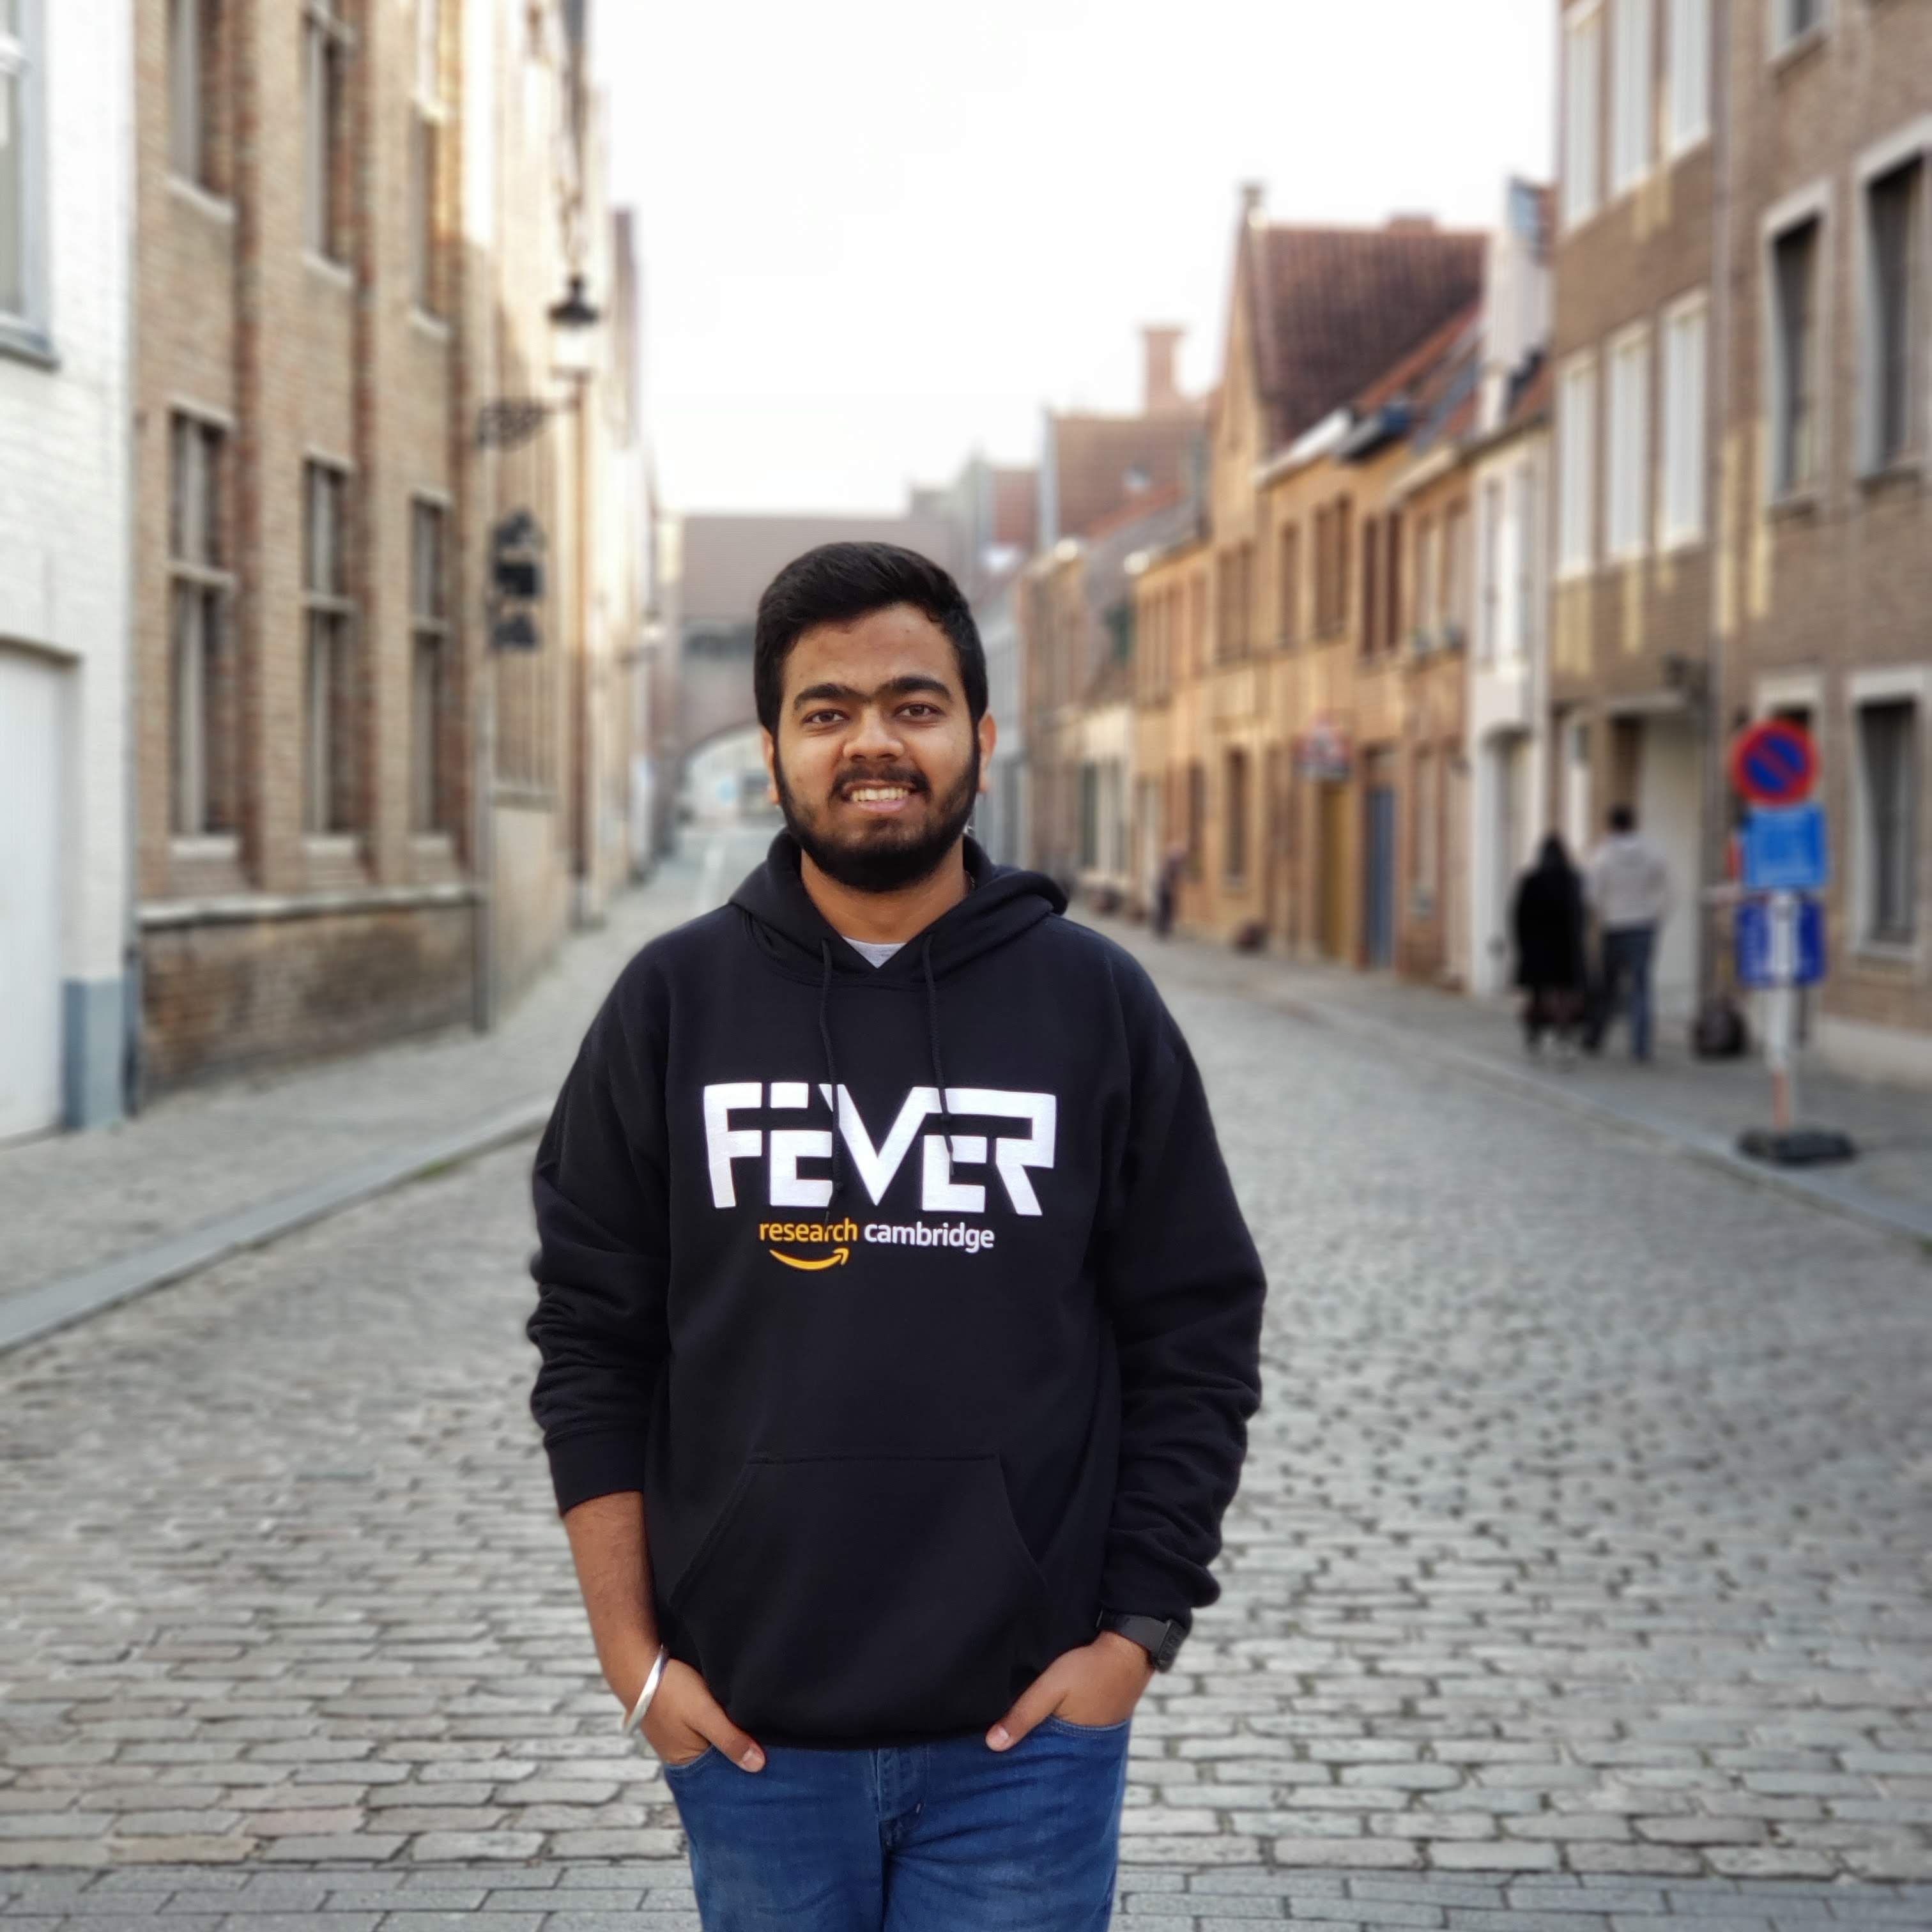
x: 822, y: 717
x: 919, y: 710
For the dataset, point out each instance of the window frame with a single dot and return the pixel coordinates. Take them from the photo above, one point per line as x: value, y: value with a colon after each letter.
x: 1809, y: 206
x: 328, y: 788
x: 1576, y: 477
x: 328, y: 44
x: 1673, y: 535
x: 1908, y: 146
x: 1586, y: 17
x: 1865, y: 690
x: 429, y: 630
x: 25, y: 331
x: 429, y: 141
x: 1626, y: 175
x: 1782, y: 40
x: 1682, y: 134
x: 1631, y: 545
x: 200, y: 573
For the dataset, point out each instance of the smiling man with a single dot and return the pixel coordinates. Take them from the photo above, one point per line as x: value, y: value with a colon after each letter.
x: 899, y: 1327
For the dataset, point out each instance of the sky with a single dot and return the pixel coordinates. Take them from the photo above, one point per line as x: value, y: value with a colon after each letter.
x: 876, y: 235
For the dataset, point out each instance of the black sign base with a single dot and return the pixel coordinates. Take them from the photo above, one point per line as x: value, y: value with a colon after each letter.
x: 1800, y: 1147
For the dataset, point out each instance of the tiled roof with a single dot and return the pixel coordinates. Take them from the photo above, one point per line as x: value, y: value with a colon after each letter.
x: 1336, y: 307
x: 1101, y: 463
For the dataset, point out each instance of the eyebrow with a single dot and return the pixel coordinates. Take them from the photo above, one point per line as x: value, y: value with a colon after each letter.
x: 895, y: 687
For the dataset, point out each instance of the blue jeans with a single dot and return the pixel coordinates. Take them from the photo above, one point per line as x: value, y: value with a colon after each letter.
x: 946, y: 1836
x: 1626, y: 952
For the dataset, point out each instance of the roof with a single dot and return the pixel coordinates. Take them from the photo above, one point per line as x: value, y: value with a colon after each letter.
x: 728, y: 559
x: 1015, y: 511
x: 1100, y: 464
x: 1336, y: 307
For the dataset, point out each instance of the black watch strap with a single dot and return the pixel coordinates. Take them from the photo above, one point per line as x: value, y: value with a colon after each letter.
x: 1159, y: 1636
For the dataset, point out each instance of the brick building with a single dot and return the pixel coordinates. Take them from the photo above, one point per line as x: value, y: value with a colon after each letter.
x: 1100, y: 475
x: 1272, y: 699
x: 66, y: 114
x: 352, y: 219
x: 1743, y: 405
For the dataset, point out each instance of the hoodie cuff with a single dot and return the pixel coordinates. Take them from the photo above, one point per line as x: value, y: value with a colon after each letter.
x: 1148, y: 1590
x: 604, y: 1464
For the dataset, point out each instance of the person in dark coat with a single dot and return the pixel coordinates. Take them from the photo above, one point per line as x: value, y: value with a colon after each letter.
x: 1546, y: 921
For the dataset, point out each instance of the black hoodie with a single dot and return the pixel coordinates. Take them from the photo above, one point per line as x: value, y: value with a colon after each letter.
x: 906, y: 1419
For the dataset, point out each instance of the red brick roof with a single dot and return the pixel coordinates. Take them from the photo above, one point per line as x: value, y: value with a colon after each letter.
x: 1334, y: 307
x: 1102, y: 464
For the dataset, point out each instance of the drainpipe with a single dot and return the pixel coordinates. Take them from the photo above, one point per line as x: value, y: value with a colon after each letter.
x: 1717, y: 402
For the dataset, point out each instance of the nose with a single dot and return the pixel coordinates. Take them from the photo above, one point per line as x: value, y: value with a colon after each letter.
x: 873, y: 737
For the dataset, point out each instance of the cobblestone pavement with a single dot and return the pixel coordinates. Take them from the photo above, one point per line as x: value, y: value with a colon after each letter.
x: 1580, y: 1572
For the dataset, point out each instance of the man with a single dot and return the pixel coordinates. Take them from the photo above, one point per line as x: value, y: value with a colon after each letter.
x: 1629, y: 890
x: 899, y: 1329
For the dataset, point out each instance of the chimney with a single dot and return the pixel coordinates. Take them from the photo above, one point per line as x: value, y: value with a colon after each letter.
x: 1161, y: 393
x: 1411, y: 224
x: 1253, y: 194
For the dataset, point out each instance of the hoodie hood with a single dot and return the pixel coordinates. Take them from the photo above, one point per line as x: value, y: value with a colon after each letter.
x: 1004, y: 902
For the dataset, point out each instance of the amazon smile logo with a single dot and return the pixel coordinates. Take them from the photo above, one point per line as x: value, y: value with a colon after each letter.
x: 837, y: 1235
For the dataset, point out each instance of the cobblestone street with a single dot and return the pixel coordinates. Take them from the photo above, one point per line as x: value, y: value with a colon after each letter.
x: 1581, y: 1573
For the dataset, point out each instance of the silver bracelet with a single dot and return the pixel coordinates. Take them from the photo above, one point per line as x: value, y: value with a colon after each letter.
x: 645, y: 1696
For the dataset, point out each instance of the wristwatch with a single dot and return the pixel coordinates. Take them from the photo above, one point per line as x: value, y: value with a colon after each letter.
x: 1159, y: 1636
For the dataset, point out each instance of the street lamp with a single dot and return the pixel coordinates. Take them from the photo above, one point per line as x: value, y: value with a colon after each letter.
x: 508, y: 422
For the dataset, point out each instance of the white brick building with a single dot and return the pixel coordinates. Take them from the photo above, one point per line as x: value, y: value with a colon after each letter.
x: 66, y: 119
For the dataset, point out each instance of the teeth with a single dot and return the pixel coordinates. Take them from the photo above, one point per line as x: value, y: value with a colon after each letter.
x: 877, y: 794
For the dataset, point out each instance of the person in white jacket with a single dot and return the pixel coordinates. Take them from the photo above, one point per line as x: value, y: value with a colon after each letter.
x: 1628, y: 887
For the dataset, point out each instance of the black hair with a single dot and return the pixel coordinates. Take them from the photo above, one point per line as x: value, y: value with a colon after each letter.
x: 840, y: 582
x: 1622, y: 819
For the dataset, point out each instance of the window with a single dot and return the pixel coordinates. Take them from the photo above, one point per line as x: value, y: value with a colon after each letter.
x: 1689, y: 72
x: 1582, y: 96
x: 1290, y: 586
x: 1888, y: 751
x: 1428, y: 574
x: 1684, y: 428
x: 1794, y: 431
x: 328, y: 725
x: 1626, y: 502
x: 1577, y: 447
x: 1425, y: 844
x: 1237, y: 827
x: 1392, y: 585
x: 19, y: 134
x: 429, y: 627
x: 1372, y: 583
x: 1090, y: 817
x: 1792, y: 19
x: 1456, y: 563
x: 1489, y: 631
x: 197, y: 132
x: 1197, y: 621
x: 201, y: 677
x: 1892, y: 205
x: 427, y: 117
x: 1631, y: 81
x: 1523, y: 632
x: 325, y: 42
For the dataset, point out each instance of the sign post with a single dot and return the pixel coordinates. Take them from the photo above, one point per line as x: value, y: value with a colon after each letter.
x: 1780, y: 926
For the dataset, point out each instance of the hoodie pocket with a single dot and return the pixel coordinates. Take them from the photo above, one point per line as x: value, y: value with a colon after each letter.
x: 855, y: 1596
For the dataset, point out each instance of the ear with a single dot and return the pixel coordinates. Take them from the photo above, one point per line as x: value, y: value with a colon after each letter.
x: 769, y: 745
x: 989, y: 734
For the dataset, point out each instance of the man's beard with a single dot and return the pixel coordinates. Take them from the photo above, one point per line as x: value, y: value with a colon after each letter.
x: 887, y: 861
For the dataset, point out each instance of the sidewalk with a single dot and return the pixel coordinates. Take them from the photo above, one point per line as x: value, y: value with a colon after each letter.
x: 1700, y: 1106
x: 221, y: 1167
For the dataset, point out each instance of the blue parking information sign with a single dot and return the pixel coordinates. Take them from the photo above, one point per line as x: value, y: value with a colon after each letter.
x: 1757, y: 962
x: 1784, y: 849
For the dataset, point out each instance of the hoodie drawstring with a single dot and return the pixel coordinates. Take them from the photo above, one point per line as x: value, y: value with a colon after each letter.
x: 932, y: 1029
x: 831, y: 1066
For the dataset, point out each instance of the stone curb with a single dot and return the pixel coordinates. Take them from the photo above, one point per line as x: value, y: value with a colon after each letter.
x: 32, y: 1313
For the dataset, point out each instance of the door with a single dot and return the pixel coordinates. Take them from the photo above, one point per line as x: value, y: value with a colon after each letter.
x: 1334, y: 879
x: 30, y: 872
x: 1669, y: 810
x: 1378, y: 875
